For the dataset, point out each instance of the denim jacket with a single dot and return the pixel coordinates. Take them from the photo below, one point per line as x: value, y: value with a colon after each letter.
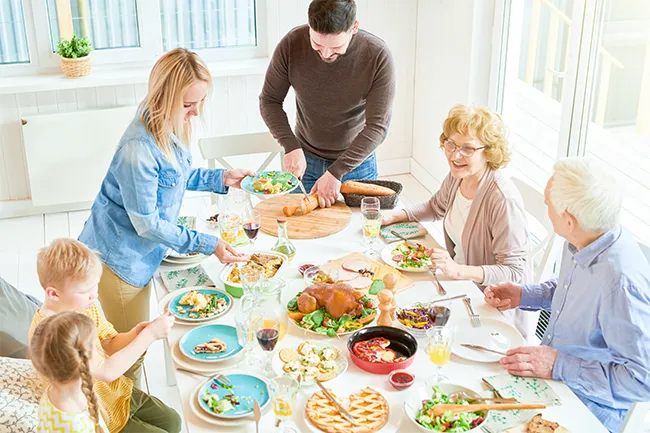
x: 132, y: 222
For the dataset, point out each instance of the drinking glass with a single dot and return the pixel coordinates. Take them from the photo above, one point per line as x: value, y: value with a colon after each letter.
x: 439, y: 341
x: 250, y: 276
x: 268, y: 335
x: 229, y: 226
x: 284, y: 390
x: 247, y: 324
x: 252, y: 225
x: 370, y: 210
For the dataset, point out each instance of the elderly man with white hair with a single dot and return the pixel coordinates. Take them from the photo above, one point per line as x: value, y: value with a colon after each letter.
x: 598, y: 337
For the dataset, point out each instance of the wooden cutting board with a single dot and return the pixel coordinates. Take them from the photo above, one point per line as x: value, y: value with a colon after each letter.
x: 319, y: 223
x: 380, y: 270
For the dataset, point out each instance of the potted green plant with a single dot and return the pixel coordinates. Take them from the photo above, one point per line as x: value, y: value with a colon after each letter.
x: 75, y: 56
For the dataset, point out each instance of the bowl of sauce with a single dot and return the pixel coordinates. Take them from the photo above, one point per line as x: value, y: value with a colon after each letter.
x: 401, y: 379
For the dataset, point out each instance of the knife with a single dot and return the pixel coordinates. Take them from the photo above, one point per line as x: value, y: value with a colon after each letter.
x: 302, y: 188
x: 344, y: 413
x: 484, y: 349
x: 447, y: 299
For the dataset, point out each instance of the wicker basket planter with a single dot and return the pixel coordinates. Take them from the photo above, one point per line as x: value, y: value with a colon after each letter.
x: 386, y: 202
x: 76, y: 68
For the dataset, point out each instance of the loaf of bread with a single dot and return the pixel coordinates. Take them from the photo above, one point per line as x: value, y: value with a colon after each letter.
x: 362, y: 188
x: 540, y: 425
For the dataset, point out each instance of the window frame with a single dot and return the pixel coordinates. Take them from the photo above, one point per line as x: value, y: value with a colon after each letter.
x: 42, y: 59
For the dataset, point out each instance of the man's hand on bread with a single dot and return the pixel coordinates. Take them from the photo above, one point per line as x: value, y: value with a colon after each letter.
x: 327, y: 188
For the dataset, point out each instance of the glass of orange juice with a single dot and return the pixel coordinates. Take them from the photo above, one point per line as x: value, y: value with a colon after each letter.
x: 284, y: 390
x: 439, y: 341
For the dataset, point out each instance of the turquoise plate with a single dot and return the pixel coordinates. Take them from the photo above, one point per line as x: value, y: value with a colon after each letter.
x: 205, y: 333
x: 175, y: 303
x: 289, y: 182
x: 248, y: 388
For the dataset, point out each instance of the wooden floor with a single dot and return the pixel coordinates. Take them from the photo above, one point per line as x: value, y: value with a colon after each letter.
x: 21, y: 238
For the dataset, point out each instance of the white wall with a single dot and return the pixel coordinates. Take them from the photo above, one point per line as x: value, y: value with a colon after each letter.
x: 452, y: 66
x: 234, y: 104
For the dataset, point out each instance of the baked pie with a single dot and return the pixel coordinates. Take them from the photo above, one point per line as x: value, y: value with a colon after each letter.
x: 213, y: 346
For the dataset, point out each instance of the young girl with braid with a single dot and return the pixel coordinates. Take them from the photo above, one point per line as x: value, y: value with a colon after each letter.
x: 62, y: 349
x: 69, y: 272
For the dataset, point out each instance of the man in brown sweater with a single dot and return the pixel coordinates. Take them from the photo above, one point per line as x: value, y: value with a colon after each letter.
x: 344, y: 81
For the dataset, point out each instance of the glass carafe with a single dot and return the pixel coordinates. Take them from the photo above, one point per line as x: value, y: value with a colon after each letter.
x: 264, y: 301
x: 238, y: 202
x: 283, y: 244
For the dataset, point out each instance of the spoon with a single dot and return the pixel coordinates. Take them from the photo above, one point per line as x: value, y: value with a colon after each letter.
x: 461, y: 395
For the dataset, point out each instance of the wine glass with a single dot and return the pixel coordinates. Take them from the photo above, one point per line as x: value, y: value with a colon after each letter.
x: 439, y: 341
x: 252, y: 225
x: 370, y: 209
x: 268, y: 335
x: 247, y: 323
x: 284, y: 390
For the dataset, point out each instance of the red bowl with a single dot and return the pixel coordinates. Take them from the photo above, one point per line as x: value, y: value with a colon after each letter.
x: 403, y: 343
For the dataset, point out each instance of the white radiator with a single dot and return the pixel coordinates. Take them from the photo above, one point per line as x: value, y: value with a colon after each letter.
x: 68, y: 153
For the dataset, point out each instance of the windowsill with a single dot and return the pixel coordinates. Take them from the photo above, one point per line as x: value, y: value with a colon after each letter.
x: 114, y: 76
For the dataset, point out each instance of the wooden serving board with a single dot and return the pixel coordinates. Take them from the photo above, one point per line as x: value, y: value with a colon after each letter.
x: 319, y: 223
x: 380, y: 270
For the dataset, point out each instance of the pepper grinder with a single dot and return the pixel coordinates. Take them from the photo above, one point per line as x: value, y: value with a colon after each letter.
x: 387, y: 308
x: 390, y: 281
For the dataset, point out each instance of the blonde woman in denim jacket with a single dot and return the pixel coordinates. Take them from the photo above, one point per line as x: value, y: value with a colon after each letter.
x: 133, y: 219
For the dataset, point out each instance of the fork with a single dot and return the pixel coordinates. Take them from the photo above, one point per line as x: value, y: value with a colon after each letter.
x: 476, y: 321
x: 221, y: 378
x: 441, y: 290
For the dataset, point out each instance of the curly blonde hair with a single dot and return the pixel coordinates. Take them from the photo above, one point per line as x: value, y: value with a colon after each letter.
x: 66, y: 260
x: 484, y: 125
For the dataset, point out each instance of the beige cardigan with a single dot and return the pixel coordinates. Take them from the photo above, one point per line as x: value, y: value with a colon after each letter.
x: 495, y: 236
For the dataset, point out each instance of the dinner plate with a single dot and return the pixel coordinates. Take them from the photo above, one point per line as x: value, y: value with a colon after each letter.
x: 174, y: 304
x: 231, y: 423
x: 275, y: 176
x: 245, y: 386
x: 493, y: 334
x: 341, y: 364
x: 184, y: 260
x: 205, y: 333
x: 387, y: 257
x: 182, y: 361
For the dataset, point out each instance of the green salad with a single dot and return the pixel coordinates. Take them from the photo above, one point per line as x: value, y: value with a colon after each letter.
x: 274, y: 182
x: 447, y: 422
x: 322, y: 322
x: 408, y: 256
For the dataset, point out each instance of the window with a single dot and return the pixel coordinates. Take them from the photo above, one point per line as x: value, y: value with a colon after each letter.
x: 124, y: 31
x: 208, y: 24
x: 106, y: 23
x: 13, y: 37
x: 619, y: 127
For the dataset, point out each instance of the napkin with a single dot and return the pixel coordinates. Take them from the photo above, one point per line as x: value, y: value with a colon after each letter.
x: 189, y: 222
x: 196, y: 276
x: 525, y: 390
x: 409, y: 230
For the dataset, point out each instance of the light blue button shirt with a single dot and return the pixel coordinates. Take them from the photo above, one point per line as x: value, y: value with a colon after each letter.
x: 600, y: 323
x: 132, y: 222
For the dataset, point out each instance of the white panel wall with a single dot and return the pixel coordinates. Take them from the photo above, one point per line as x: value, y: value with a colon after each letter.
x: 452, y: 67
x: 234, y: 104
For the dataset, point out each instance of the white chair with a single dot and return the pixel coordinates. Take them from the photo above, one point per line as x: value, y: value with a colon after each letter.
x: 645, y: 249
x: 542, y: 267
x: 216, y: 149
x: 637, y: 418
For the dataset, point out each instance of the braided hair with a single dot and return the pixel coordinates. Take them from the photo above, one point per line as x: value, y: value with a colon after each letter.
x: 61, y: 349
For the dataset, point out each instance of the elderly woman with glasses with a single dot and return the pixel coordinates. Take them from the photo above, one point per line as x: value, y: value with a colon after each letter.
x: 482, y: 211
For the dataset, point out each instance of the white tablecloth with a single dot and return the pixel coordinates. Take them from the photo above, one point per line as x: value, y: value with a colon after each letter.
x: 572, y: 413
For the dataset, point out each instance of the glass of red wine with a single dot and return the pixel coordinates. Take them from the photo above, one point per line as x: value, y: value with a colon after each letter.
x: 252, y: 224
x: 268, y: 334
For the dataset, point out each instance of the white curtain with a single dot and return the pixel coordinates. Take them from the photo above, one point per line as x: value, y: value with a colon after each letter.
x: 13, y: 39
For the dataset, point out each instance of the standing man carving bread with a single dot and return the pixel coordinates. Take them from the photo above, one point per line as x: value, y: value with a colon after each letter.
x: 344, y: 81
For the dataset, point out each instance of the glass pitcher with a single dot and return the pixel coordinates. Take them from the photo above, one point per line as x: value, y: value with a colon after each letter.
x: 238, y: 202
x: 264, y: 301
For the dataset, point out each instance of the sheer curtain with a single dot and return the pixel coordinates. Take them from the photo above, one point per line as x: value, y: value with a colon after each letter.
x: 200, y: 24
x: 13, y: 38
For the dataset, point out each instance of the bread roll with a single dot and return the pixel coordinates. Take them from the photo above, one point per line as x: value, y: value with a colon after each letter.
x: 361, y: 188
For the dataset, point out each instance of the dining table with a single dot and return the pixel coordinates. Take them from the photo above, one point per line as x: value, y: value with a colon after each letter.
x: 571, y: 413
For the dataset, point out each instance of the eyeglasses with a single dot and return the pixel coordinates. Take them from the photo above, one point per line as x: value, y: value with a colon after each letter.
x: 465, y: 151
